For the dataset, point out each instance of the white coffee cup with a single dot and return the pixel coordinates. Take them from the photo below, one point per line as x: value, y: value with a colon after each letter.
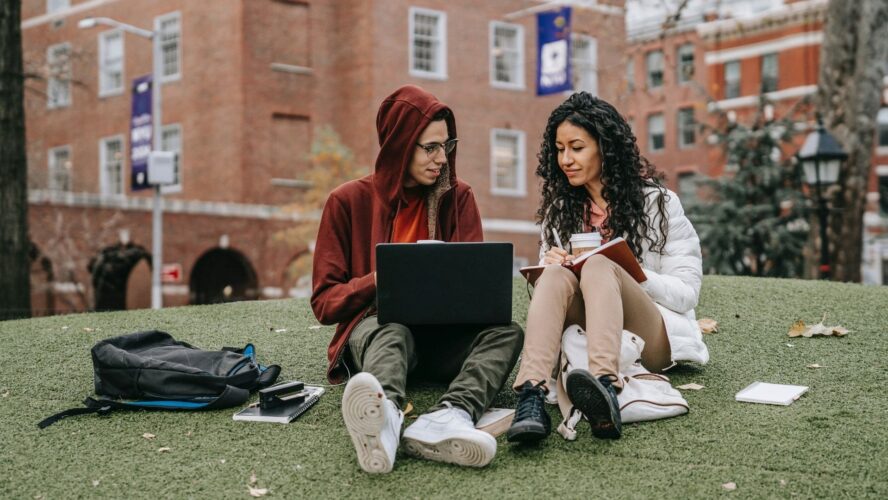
x: 583, y: 242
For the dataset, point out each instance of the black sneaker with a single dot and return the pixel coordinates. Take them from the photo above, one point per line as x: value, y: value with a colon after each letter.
x: 597, y: 399
x: 531, y: 422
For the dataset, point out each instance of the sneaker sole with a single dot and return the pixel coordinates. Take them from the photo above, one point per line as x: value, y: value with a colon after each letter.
x: 364, y: 415
x: 526, y: 434
x: 590, y: 397
x: 468, y: 451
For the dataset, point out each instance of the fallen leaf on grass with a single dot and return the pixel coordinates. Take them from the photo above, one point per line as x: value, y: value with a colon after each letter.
x: 408, y: 409
x: 790, y: 345
x: 783, y: 482
x: 708, y: 325
x: 95, y: 483
x: 799, y: 329
x: 163, y: 449
x: 188, y: 434
x: 258, y: 492
x: 691, y: 387
x: 730, y: 486
x: 4, y: 393
x: 280, y: 330
x: 815, y: 365
x: 315, y: 327
x: 65, y: 327
x: 148, y: 435
x: 88, y: 329
x: 222, y: 461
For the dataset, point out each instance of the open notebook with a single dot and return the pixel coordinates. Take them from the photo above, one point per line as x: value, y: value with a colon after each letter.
x: 616, y: 250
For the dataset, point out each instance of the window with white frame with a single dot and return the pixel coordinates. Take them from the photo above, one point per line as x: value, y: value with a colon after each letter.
x: 654, y: 63
x: 506, y: 55
x: 56, y: 5
x: 882, y: 129
x: 58, y: 84
x: 111, y: 165
x: 169, y: 27
x: 883, y: 193
x: 769, y: 72
x: 630, y: 74
x: 882, y: 189
x: 656, y: 132
x: 732, y: 79
x: 687, y: 135
x: 111, y: 62
x: 171, y: 140
x: 585, y: 63
x: 507, y: 162
x: 685, y: 63
x: 59, y: 178
x: 428, y: 43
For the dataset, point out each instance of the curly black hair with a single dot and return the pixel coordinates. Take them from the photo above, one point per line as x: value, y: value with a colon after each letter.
x: 624, y: 175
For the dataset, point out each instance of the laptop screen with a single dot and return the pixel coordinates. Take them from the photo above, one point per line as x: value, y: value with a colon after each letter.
x: 444, y: 283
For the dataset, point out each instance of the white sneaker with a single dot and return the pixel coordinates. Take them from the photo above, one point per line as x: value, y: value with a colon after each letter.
x: 373, y: 422
x: 448, y: 435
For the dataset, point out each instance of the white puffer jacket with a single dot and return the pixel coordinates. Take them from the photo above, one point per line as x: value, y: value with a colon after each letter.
x: 674, y: 276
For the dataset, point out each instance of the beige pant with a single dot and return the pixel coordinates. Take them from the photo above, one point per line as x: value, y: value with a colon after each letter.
x: 604, y: 302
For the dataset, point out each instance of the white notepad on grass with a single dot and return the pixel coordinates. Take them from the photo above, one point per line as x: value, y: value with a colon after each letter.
x: 771, y: 394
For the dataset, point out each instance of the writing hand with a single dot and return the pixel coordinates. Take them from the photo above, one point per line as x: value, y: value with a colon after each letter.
x: 557, y: 256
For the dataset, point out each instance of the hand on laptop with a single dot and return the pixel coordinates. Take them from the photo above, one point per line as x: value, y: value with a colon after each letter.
x: 556, y: 255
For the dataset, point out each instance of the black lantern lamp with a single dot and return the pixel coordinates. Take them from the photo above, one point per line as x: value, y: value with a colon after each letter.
x: 821, y: 156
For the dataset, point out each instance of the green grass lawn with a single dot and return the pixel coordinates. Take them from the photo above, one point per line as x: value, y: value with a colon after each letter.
x: 829, y: 444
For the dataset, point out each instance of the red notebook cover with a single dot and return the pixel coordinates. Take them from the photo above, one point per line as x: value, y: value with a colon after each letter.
x: 616, y: 250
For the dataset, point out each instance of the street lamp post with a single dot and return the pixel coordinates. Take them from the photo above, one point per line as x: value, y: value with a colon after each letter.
x: 157, y: 212
x: 821, y: 156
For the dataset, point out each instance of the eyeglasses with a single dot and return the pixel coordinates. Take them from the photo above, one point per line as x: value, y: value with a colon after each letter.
x: 432, y: 148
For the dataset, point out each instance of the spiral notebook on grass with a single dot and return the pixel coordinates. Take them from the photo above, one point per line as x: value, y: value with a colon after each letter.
x: 283, y: 414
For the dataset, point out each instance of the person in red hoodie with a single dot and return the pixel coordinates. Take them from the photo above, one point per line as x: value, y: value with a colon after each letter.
x: 413, y: 194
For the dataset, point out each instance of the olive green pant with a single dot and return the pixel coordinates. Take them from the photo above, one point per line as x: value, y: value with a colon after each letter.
x: 474, y: 360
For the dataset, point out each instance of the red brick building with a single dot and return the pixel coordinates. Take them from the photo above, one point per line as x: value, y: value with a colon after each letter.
x: 714, y: 64
x: 246, y: 85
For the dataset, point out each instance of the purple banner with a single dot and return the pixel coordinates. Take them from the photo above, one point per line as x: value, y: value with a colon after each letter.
x: 141, y: 131
x: 553, y: 52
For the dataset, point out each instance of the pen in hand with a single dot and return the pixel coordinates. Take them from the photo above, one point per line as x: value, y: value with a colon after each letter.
x: 557, y: 239
x: 559, y: 256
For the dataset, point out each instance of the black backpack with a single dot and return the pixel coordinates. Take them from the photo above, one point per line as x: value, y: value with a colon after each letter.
x: 161, y: 373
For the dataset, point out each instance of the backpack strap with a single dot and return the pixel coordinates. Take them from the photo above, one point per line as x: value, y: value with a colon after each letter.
x: 231, y: 396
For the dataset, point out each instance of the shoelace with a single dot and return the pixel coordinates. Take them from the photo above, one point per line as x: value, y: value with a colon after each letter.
x: 531, y: 403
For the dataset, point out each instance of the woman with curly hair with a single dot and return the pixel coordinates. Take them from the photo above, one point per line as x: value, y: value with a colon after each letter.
x: 595, y: 179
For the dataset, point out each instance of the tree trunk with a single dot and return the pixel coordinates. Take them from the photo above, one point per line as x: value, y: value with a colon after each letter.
x: 15, y: 287
x: 852, y: 58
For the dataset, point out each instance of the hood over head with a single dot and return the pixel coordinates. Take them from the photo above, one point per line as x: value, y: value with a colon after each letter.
x: 402, y: 118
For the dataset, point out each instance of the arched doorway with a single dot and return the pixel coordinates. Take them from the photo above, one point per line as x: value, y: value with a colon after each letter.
x: 222, y: 275
x: 111, y: 272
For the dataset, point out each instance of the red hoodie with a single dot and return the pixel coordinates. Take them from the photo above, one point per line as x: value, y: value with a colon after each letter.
x: 359, y: 214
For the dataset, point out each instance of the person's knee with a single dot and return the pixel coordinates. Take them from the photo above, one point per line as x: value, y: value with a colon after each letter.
x: 597, y: 267
x: 557, y: 275
x: 393, y: 334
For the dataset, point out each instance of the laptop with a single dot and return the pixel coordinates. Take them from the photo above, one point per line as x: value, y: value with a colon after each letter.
x: 444, y: 283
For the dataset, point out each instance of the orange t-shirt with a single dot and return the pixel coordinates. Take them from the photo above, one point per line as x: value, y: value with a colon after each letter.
x: 412, y: 222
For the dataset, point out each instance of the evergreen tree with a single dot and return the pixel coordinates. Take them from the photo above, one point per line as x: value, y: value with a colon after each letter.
x: 752, y: 219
